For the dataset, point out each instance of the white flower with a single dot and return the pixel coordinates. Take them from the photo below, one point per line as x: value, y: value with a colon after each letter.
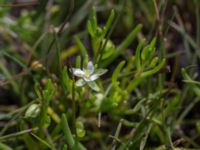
x: 88, y: 76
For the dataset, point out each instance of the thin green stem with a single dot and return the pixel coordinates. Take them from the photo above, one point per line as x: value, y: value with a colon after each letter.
x: 8, y: 136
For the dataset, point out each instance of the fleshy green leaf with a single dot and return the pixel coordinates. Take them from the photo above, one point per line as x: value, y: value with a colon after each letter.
x: 65, y: 79
x: 109, y: 22
x: 5, y: 147
x: 47, y: 121
x: 80, y: 129
x: 116, y: 73
x: 100, y: 72
x: 153, y: 62
x: 94, y: 86
x: 81, y: 46
x: 138, y: 54
x: 80, y: 82
x: 123, y: 45
x: 148, y: 51
x: 154, y: 70
x: 109, y: 49
x: 33, y: 111
x: 90, y: 29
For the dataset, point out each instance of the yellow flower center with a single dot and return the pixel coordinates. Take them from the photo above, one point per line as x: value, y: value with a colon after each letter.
x: 87, y: 74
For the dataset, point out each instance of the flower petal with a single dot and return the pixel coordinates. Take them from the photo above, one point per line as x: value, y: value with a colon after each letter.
x: 87, y: 79
x: 78, y: 72
x: 90, y: 67
x: 94, y: 86
x: 100, y: 72
x: 80, y: 82
x: 94, y: 77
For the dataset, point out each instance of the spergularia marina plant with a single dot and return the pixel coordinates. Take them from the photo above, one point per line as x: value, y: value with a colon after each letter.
x: 88, y: 75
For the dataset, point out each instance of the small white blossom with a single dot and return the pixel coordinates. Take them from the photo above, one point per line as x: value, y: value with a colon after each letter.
x: 88, y: 75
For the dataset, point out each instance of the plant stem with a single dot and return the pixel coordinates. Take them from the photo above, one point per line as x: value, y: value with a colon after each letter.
x: 2, y: 138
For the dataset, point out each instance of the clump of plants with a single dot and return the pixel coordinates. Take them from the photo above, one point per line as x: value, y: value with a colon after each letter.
x: 94, y: 93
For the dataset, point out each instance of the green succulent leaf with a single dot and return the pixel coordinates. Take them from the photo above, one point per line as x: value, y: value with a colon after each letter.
x: 154, y: 70
x: 33, y: 111
x: 109, y: 49
x: 153, y: 62
x: 90, y: 29
x: 116, y: 73
x: 100, y: 72
x: 148, y: 51
x: 80, y: 82
x: 47, y: 121
x: 80, y: 129
x: 138, y: 54
x: 109, y: 22
x: 93, y: 86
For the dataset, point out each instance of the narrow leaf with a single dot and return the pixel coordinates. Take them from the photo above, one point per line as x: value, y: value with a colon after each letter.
x: 122, y: 46
x: 117, y: 72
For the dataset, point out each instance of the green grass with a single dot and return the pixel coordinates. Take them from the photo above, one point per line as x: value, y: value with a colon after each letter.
x: 99, y: 75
